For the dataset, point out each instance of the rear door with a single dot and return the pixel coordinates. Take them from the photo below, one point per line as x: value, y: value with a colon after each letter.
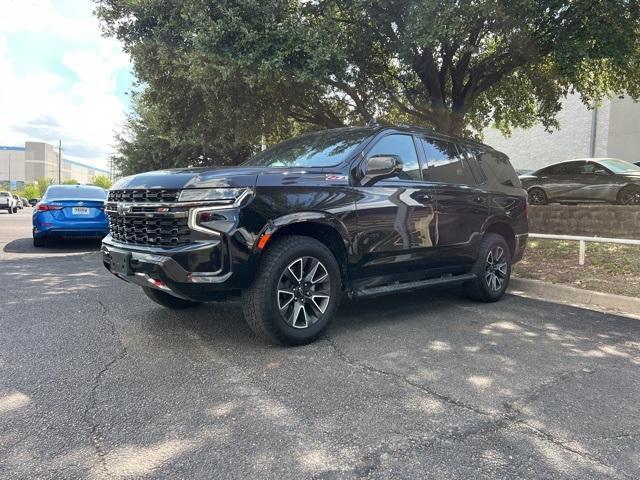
x: 462, y: 204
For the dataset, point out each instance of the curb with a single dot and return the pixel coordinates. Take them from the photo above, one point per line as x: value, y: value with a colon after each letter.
x: 565, y: 295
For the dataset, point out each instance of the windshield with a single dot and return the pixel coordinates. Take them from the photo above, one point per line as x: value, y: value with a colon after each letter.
x: 619, y: 166
x: 320, y: 149
x: 75, y: 193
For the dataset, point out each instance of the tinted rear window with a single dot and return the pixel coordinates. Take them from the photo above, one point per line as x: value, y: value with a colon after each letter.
x: 4, y: 194
x: 75, y: 193
x: 445, y: 163
x: 496, y: 165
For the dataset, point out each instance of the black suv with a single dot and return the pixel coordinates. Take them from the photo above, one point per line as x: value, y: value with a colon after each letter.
x: 361, y: 211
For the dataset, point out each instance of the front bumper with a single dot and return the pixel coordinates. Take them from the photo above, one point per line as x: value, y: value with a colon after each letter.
x: 198, y: 271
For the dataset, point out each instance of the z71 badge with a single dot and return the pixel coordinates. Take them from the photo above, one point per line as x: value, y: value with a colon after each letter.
x: 335, y: 178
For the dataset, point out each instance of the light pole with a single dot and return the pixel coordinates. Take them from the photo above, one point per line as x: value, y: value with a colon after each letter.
x: 59, y: 161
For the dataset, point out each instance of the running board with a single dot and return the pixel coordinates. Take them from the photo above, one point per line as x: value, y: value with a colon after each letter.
x: 364, y: 292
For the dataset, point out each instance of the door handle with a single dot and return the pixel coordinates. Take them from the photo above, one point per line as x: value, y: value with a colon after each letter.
x: 479, y: 199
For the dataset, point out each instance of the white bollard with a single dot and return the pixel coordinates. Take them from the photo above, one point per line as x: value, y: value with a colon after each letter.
x: 583, y: 251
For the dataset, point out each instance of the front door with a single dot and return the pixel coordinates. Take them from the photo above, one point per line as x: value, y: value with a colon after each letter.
x: 396, y: 216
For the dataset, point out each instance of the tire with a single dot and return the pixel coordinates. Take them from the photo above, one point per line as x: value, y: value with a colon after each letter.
x: 167, y: 300
x: 629, y: 195
x: 40, y: 242
x: 10, y: 210
x: 483, y: 288
x: 287, y: 303
x: 537, y: 196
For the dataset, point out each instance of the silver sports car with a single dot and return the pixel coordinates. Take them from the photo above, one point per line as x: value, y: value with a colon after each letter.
x: 583, y: 181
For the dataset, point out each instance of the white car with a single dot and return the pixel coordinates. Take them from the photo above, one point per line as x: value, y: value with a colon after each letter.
x: 7, y: 202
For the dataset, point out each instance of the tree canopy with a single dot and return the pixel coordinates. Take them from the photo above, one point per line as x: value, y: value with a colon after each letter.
x: 217, y: 76
x: 102, y: 181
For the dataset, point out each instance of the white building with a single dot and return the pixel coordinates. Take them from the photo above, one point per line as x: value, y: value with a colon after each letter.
x: 20, y: 165
x: 613, y: 130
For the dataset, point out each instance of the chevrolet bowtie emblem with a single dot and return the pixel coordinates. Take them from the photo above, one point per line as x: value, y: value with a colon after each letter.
x: 123, y: 209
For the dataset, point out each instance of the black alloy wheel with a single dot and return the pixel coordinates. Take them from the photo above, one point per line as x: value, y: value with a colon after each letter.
x: 537, y: 197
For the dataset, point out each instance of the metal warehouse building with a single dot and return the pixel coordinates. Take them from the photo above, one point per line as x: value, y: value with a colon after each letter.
x: 20, y: 165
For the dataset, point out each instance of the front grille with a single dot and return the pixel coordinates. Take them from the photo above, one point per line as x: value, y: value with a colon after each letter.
x: 160, y: 230
x: 144, y: 195
x: 142, y: 223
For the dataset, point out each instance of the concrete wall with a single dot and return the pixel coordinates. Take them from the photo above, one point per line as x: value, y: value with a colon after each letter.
x: 534, y: 148
x: 617, y: 221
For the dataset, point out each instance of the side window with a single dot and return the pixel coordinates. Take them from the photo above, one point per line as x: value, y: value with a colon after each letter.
x: 588, y: 168
x: 473, y: 160
x: 444, y: 163
x: 559, y: 169
x: 573, y: 168
x: 403, y: 146
x: 498, y: 166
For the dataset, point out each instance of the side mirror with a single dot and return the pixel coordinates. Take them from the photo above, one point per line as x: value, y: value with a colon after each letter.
x: 380, y: 167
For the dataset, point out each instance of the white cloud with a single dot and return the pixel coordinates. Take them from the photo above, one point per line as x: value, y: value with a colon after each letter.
x: 83, y: 110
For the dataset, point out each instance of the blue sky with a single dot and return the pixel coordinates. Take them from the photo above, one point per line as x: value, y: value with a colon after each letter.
x: 61, y: 79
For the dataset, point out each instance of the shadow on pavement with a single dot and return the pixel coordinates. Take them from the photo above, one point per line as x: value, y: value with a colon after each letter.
x: 25, y: 245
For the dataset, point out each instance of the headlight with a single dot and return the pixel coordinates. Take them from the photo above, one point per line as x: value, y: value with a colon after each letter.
x: 211, y: 194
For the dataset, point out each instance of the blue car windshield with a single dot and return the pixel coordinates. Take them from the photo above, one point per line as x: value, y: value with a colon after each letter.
x: 319, y: 149
x: 75, y: 193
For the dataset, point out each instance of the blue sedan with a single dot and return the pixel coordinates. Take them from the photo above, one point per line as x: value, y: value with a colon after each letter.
x: 70, y: 211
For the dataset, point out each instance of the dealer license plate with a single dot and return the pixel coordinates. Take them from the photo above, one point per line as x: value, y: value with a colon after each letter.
x: 80, y: 211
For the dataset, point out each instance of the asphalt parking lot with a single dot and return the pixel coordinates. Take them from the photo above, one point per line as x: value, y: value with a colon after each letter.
x: 98, y: 382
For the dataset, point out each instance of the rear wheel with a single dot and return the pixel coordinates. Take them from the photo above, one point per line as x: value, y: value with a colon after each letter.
x: 629, y: 196
x: 492, y: 270
x: 167, y: 300
x: 537, y: 196
x: 295, y: 293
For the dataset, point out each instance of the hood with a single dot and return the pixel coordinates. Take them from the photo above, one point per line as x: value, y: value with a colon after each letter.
x: 635, y: 176
x: 204, y: 177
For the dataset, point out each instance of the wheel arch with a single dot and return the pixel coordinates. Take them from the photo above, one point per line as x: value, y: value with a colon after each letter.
x: 321, y: 226
x: 626, y: 185
x: 505, y: 230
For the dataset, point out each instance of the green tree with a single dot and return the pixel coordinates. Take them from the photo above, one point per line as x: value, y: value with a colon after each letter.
x: 71, y: 181
x: 31, y: 191
x: 42, y: 184
x: 101, y: 181
x: 216, y: 76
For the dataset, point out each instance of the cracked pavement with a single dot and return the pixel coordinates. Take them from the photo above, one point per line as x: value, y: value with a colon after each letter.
x: 98, y: 382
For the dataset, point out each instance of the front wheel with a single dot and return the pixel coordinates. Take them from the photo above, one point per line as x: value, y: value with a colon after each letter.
x: 492, y: 269
x: 295, y: 293
x: 629, y: 196
x: 168, y: 301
